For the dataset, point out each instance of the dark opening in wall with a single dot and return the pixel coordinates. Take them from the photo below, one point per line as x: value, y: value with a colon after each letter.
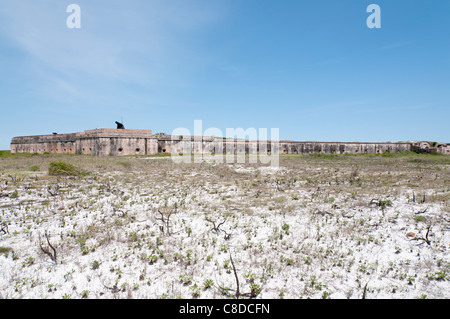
x: 138, y: 149
x: 120, y: 149
x: 164, y: 150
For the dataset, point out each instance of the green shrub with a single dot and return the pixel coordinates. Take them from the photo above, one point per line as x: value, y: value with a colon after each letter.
x: 5, y: 250
x: 95, y: 264
x: 34, y: 168
x: 63, y: 169
x: 209, y: 283
x: 419, y: 218
x: 285, y: 227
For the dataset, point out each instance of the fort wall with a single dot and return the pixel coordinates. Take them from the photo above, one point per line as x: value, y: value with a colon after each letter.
x: 64, y: 143
x: 104, y: 142
x: 99, y: 142
x: 291, y: 147
x: 235, y: 146
x: 184, y: 143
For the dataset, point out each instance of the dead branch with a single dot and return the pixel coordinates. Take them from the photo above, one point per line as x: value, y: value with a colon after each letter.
x: 238, y: 294
x: 4, y: 228
x: 365, y: 291
x: 50, y: 190
x: 236, y: 277
x: 422, y: 200
x: 426, y: 239
x: 227, y: 236
x: 114, y: 289
x: 323, y: 213
x: 421, y: 212
x: 46, y: 250
x: 217, y: 228
x: 223, y: 289
x: 165, y: 219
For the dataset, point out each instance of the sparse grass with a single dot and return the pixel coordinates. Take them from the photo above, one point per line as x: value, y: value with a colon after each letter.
x: 34, y: 168
x: 5, y: 250
x: 319, y: 227
x: 8, y: 154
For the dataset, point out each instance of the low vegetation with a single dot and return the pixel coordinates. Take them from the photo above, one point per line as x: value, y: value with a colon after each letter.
x: 62, y: 168
x: 319, y: 226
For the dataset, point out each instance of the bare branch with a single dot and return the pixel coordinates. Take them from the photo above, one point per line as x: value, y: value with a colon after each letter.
x: 365, y: 291
x: 53, y: 248
x: 46, y: 250
x: 217, y: 228
x: 421, y: 212
x: 4, y: 228
x: 426, y: 239
x: 165, y: 218
x: 236, y: 277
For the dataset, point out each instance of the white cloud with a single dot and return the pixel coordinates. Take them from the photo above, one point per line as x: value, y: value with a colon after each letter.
x: 120, y: 42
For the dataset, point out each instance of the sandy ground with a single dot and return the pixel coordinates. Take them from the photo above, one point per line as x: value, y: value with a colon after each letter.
x: 313, y: 228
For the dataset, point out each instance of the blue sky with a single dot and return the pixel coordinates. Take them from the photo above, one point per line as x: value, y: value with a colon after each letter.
x: 313, y: 69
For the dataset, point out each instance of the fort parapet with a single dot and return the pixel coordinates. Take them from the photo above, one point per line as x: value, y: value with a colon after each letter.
x: 104, y: 142
x: 100, y: 142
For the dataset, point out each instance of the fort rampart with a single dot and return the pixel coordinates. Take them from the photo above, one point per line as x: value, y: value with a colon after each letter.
x: 104, y: 142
